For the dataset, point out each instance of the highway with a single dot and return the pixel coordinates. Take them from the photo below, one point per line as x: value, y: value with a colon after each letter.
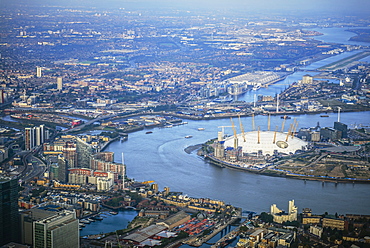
x: 33, y: 166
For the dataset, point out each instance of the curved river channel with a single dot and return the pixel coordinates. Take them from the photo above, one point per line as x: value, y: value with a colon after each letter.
x: 160, y: 156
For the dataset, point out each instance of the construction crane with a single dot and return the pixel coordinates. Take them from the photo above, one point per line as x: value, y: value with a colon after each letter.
x: 242, y: 128
x: 223, y: 129
x: 148, y: 182
x: 235, y: 136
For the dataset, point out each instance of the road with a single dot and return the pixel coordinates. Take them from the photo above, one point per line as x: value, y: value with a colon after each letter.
x: 33, y: 166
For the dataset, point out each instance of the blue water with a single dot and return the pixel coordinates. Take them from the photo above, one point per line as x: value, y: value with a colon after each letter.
x: 109, y: 224
x: 339, y: 35
x: 160, y: 156
x: 217, y: 237
x: 279, y: 87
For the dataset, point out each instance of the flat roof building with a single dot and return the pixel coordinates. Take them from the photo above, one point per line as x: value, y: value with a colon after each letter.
x: 58, y: 230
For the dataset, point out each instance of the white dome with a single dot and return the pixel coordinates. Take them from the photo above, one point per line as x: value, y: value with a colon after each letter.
x: 266, y: 145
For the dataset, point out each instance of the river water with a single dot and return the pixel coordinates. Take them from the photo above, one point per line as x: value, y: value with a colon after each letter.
x: 160, y: 156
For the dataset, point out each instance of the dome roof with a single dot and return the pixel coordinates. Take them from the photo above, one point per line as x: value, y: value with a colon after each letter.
x: 265, y: 144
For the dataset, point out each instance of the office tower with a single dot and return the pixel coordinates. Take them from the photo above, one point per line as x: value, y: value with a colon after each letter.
x: 84, y: 153
x: 59, y: 83
x: 58, y: 230
x: 343, y: 128
x: 9, y: 217
x: 38, y: 72
x: 27, y: 218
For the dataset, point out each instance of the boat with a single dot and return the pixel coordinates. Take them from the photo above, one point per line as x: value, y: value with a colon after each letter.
x: 188, y: 136
x: 97, y: 218
x: 201, y: 129
x: 256, y: 87
x: 324, y: 115
x: 285, y: 117
x: 112, y: 212
x: 149, y: 132
x: 85, y: 221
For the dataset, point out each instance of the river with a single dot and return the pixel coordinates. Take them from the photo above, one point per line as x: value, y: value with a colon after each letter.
x: 160, y: 156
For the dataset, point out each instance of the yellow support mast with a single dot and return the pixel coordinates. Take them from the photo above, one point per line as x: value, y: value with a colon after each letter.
x: 295, y: 126
x: 259, y: 138
x: 241, y: 128
x: 282, y: 126
x: 289, y: 131
x: 253, y: 126
x: 276, y: 129
x: 269, y: 122
x: 235, y: 136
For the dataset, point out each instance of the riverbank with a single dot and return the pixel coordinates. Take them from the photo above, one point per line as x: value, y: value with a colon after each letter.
x: 281, y: 173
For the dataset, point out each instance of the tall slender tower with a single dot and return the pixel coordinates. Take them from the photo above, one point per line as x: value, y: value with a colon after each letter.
x: 9, y: 216
x: 29, y: 138
x: 59, y: 83
x: 38, y: 72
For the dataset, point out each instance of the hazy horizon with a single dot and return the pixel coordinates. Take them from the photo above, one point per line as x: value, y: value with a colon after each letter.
x: 338, y: 7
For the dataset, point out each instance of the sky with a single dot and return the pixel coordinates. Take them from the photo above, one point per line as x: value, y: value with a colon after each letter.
x: 346, y: 7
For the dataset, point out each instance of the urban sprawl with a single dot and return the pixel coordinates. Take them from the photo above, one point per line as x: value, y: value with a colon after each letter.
x: 74, y: 79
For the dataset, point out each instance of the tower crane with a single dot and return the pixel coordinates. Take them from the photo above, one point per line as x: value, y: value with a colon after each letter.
x: 223, y: 129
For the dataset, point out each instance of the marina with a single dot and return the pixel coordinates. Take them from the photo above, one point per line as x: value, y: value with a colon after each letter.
x: 111, y: 222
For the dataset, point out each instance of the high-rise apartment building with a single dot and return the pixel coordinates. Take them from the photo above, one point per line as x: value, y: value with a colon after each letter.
x: 38, y: 72
x: 2, y: 96
x: 59, y: 83
x: 34, y: 136
x: 307, y: 79
x: 9, y: 216
x: 70, y: 154
x: 281, y: 216
x: 29, y: 138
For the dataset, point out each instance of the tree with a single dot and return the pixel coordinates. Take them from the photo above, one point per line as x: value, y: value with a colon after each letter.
x: 265, y: 217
